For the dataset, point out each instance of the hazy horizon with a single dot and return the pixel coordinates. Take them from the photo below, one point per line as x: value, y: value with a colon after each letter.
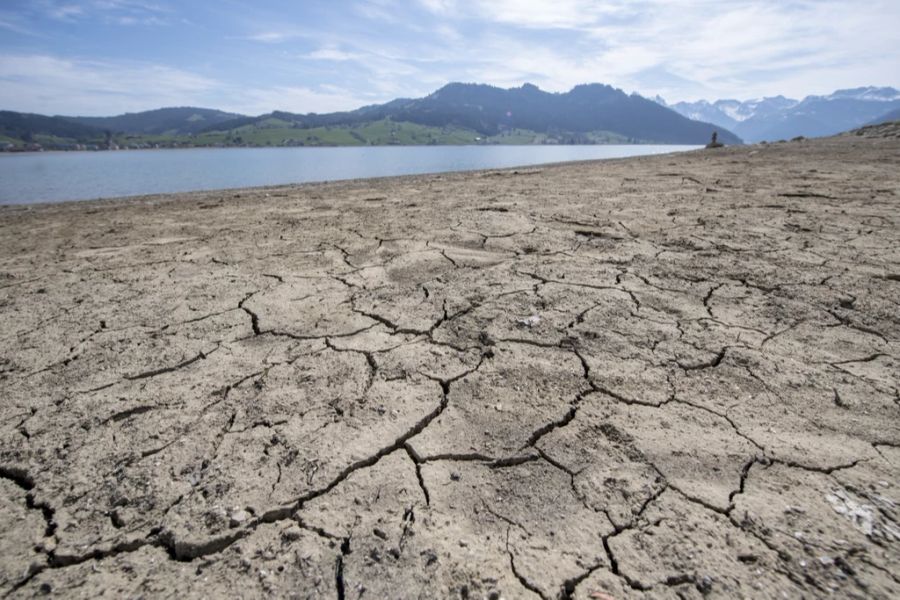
x: 105, y: 57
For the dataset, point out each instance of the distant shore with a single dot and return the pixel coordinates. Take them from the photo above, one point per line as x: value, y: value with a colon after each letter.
x: 642, y: 377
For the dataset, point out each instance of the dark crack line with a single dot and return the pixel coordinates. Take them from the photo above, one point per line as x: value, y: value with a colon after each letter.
x: 814, y: 469
x: 571, y: 584
x: 254, y: 318
x: 458, y: 457
x: 125, y: 414
x: 174, y: 325
x: 55, y: 561
x: 528, y: 585
x: 25, y: 482
x: 452, y: 262
x: 712, y: 363
x: 540, y: 432
x: 308, y: 338
x: 724, y: 416
x: 865, y: 359
x: 163, y: 370
x: 319, y: 531
x: 345, y: 256
x: 614, y: 565
x: 745, y: 473
x: 417, y: 463
x: 503, y: 517
x: 339, y: 577
x: 708, y: 297
x: 370, y: 361
x: 772, y: 336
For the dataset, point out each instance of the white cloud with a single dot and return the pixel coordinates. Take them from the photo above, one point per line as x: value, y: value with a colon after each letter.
x: 681, y: 50
x: 12, y: 22
x: 272, y: 37
x: 296, y: 99
x: 537, y: 14
x: 65, y: 12
x: 333, y: 54
x: 740, y: 48
x: 52, y: 85
x: 120, y: 12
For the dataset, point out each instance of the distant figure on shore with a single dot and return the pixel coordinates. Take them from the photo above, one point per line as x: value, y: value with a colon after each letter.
x: 715, y: 141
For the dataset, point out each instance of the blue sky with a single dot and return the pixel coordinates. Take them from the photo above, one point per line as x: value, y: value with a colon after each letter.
x: 100, y: 57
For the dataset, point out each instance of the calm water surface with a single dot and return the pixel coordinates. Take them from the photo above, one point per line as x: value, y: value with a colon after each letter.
x: 58, y: 176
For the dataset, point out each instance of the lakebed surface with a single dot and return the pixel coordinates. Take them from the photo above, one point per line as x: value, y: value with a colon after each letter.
x: 669, y: 376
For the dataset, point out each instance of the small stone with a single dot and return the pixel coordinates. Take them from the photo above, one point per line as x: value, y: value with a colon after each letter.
x: 380, y: 533
x: 704, y: 584
x: 292, y: 533
x: 239, y: 517
x: 454, y: 476
x: 118, y: 519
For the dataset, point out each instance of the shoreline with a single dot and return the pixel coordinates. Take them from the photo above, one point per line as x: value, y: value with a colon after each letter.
x: 631, y: 377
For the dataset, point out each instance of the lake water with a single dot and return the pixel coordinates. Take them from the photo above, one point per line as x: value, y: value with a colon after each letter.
x: 57, y: 176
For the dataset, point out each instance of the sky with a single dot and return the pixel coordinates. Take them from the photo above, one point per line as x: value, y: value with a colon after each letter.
x: 104, y: 57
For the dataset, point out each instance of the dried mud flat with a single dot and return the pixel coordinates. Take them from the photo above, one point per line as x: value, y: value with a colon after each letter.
x: 670, y: 376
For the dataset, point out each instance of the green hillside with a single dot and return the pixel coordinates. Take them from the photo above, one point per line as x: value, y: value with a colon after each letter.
x: 385, y: 132
x: 25, y: 128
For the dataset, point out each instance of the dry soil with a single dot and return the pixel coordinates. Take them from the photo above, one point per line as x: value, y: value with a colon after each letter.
x: 671, y: 376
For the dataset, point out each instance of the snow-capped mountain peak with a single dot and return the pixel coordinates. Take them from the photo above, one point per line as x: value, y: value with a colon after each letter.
x: 778, y: 117
x: 870, y: 93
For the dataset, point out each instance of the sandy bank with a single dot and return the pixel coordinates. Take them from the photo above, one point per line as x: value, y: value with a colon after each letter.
x: 659, y: 376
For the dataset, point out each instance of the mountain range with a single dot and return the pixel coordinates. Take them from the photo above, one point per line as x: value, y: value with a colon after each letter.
x: 456, y: 113
x: 774, y: 118
x: 465, y: 113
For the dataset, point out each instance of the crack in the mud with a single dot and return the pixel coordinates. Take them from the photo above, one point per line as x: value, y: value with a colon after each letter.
x: 370, y: 361
x: 540, y: 432
x: 528, y: 585
x: 254, y: 318
x: 712, y: 363
x: 163, y: 370
x: 417, y: 463
x: 25, y: 482
x: 339, y: 582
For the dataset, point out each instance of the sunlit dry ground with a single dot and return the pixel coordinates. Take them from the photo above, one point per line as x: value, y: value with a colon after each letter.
x: 654, y: 377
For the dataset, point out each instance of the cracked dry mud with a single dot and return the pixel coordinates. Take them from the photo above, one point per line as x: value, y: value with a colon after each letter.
x: 671, y: 376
